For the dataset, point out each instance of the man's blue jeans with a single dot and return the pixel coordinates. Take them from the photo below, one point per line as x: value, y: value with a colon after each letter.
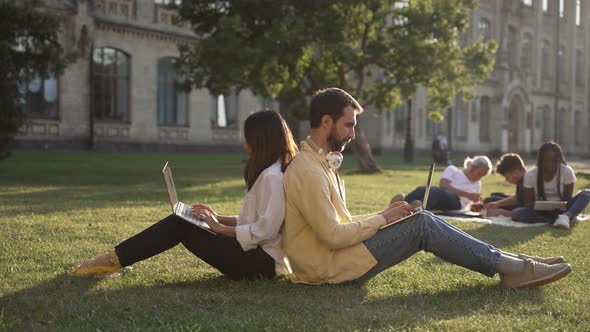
x: 430, y: 233
x: 574, y: 207
x: 438, y: 199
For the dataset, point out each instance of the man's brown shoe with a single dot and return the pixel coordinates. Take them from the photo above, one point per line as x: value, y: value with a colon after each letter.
x: 548, y: 260
x: 536, y: 274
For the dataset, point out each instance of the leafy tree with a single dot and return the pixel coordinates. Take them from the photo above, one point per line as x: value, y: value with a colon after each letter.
x: 379, y: 50
x: 29, y: 48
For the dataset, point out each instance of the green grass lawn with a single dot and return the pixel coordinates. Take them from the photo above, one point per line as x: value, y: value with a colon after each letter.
x: 59, y: 208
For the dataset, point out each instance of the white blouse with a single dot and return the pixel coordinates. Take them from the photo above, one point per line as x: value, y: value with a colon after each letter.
x: 567, y: 176
x: 262, y: 215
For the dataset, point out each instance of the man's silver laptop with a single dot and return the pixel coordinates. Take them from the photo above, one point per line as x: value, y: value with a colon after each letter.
x: 180, y: 209
x: 549, y: 205
x: 424, y: 201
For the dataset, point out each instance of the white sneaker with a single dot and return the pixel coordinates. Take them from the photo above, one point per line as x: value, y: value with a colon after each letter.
x: 562, y: 221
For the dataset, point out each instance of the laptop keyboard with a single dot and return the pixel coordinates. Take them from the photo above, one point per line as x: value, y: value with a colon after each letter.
x: 186, y: 212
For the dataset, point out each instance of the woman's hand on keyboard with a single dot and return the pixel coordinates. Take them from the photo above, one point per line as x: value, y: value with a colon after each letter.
x: 201, y: 208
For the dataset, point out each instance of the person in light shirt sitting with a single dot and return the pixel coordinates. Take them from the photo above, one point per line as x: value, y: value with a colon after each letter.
x: 247, y: 246
x: 457, y: 188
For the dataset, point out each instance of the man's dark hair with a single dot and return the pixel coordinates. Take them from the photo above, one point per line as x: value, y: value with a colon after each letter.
x: 509, y: 162
x: 330, y: 101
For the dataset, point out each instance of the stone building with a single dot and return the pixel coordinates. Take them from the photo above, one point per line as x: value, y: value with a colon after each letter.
x: 538, y: 90
x: 120, y: 93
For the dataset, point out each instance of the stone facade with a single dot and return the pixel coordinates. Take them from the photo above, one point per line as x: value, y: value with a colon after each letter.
x: 517, y: 107
x: 145, y: 32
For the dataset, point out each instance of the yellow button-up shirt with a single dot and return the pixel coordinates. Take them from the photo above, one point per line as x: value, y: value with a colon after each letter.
x: 320, y: 237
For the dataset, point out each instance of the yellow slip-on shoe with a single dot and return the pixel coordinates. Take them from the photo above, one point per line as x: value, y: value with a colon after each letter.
x: 91, y: 269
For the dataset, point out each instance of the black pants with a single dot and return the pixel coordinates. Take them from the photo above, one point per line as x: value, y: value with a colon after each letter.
x: 438, y: 199
x: 222, y: 252
x: 494, y: 197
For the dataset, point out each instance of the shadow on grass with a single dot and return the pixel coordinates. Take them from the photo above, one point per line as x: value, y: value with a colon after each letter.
x: 218, y: 303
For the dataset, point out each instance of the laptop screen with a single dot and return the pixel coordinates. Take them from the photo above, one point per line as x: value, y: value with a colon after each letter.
x: 170, y: 185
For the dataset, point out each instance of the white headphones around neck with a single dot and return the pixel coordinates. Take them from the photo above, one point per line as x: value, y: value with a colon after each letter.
x: 334, y: 159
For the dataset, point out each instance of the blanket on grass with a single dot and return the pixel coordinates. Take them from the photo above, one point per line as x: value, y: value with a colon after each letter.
x: 505, y: 221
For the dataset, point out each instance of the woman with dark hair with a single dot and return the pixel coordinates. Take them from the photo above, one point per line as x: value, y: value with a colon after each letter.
x: 247, y: 246
x: 551, y: 180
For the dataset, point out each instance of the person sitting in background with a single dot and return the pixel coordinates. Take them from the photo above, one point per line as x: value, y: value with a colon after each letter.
x: 551, y: 180
x: 512, y: 168
x: 457, y: 188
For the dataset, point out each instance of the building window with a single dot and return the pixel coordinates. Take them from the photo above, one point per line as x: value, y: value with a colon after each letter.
x: 224, y: 112
x: 561, y: 10
x: 579, y: 132
x: 579, y: 68
x: 111, y: 84
x: 544, y: 5
x: 430, y: 127
x: 563, y: 126
x: 388, y: 123
x: 483, y: 28
x: 484, y: 119
x: 419, y: 122
x: 172, y: 104
x: 547, y: 129
x: 475, y: 111
x: 511, y: 46
x: 528, y: 2
x: 578, y: 13
x: 399, y: 124
x: 459, y: 116
x: 40, y: 97
x: 561, y: 63
x: 526, y: 56
x: 546, y: 68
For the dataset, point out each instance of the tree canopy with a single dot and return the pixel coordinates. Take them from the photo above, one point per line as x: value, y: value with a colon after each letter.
x: 29, y: 48
x: 378, y: 50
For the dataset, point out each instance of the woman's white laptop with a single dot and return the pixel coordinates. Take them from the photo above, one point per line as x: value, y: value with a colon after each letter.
x: 424, y: 201
x: 180, y: 209
x: 549, y: 205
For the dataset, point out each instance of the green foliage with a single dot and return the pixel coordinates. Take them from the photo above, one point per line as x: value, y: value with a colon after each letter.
x: 29, y: 47
x: 380, y: 50
x: 57, y: 209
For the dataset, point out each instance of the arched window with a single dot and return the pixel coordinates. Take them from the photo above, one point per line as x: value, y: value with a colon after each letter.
x: 40, y: 97
x: 484, y: 119
x: 484, y: 29
x: 545, y: 53
x: 172, y: 103
x: 110, y: 84
x: 526, y: 53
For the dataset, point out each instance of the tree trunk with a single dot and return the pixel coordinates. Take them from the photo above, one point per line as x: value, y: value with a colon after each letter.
x: 362, y: 150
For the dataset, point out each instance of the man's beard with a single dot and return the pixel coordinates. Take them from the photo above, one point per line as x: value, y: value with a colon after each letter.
x: 335, y: 143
